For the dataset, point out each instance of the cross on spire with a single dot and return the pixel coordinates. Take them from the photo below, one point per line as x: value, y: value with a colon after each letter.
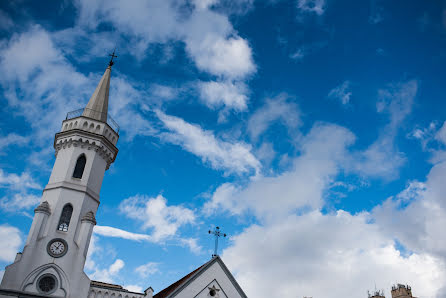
x: 217, y: 233
x: 112, y: 56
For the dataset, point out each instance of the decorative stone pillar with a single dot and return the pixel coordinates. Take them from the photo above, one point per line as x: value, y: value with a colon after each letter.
x: 42, y: 212
x: 88, y: 221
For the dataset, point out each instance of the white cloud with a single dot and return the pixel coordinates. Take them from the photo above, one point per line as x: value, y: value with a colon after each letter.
x: 9, y: 248
x: 228, y: 94
x: 275, y: 109
x: 382, y: 158
x: 155, y: 214
x: 298, y: 55
x: 192, y: 244
x: 13, y: 139
x: 19, y: 201
x: 108, y: 274
x: 323, y: 151
x: 341, y: 92
x: 313, y: 248
x: 228, y: 57
x: 233, y: 157
x: 46, y: 79
x: 441, y: 134
x: 204, y: 4
x: 134, y: 288
x: 15, y: 181
x: 312, y: 6
x: 210, y: 39
x: 417, y: 216
x: 119, y: 233
x: 148, y: 269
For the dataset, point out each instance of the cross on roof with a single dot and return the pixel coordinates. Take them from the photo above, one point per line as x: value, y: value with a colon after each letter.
x: 112, y: 56
x: 217, y: 233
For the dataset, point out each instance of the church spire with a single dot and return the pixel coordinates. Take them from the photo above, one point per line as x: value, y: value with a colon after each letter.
x: 97, y: 106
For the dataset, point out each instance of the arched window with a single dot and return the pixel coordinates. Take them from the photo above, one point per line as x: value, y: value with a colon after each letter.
x: 79, y: 168
x: 65, y: 218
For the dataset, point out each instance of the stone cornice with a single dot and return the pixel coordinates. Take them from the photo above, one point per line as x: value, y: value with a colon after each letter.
x: 75, y: 187
x: 84, y: 138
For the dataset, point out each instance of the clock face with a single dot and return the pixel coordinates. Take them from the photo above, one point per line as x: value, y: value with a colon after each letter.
x: 57, y: 248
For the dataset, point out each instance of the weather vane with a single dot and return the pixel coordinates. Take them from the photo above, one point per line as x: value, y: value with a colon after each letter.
x: 112, y: 56
x: 217, y: 233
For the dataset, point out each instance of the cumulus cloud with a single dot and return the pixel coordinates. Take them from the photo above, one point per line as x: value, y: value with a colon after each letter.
x: 341, y: 92
x: 230, y: 157
x: 323, y: 151
x: 418, y: 215
x: 303, y: 253
x: 278, y: 108
x: 155, y: 214
x: 9, y: 249
x: 210, y: 39
x: 108, y: 274
x: 232, y: 95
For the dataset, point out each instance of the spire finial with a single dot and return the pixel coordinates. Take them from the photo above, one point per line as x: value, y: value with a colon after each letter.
x: 112, y: 56
x: 217, y: 233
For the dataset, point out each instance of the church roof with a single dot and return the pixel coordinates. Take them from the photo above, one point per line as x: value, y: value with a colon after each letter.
x: 164, y: 293
x: 97, y: 106
x: 177, y: 286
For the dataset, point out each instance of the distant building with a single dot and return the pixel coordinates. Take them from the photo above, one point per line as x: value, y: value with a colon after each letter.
x: 377, y: 294
x: 401, y: 291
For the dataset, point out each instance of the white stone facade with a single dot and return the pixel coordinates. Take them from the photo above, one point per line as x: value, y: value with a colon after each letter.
x: 56, y: 248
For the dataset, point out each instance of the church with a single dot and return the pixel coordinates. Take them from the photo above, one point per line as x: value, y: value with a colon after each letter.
x: 53, y: 258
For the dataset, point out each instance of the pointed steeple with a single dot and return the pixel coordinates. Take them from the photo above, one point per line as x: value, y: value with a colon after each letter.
x: 97, y: 106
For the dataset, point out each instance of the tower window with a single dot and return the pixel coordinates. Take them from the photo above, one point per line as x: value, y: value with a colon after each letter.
x: 80, y: 166
x: 65, y: 218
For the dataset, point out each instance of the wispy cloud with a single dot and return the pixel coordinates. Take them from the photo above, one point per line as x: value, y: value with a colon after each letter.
x: 231, y: 157
x: 279, y: 108
x: 312, y: 6
x: 147, y: 269
x: 15, y: 182
x: 341, y: 92
x: 9, y: 248
x: 12, y: 139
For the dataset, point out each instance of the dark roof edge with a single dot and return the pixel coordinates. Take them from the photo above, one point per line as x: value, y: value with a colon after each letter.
x: 203, y: 269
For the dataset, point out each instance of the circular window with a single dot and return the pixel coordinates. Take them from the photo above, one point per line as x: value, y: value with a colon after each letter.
x: 47, y: 284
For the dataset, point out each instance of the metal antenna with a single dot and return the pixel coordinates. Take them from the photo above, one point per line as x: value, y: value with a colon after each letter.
x: 112, y: 56
x: 217, y: 233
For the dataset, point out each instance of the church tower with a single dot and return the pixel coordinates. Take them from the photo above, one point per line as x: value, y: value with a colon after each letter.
x: 53, y: 258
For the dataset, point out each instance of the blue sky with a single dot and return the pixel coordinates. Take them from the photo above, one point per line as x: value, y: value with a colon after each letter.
x: 312, y: 131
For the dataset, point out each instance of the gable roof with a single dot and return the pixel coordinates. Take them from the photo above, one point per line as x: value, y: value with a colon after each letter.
x: 178, y: 286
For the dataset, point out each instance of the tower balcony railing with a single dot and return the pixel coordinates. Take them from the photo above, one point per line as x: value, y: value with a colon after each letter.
x: 77, y: 113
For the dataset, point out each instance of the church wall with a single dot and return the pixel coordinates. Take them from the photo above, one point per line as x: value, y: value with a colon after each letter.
x: 214, y: 275
x: 98, y: 292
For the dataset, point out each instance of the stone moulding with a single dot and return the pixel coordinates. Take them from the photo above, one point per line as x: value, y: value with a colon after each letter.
x: 89, y: 217
x: 107, y: 152
x: 44, y: 207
